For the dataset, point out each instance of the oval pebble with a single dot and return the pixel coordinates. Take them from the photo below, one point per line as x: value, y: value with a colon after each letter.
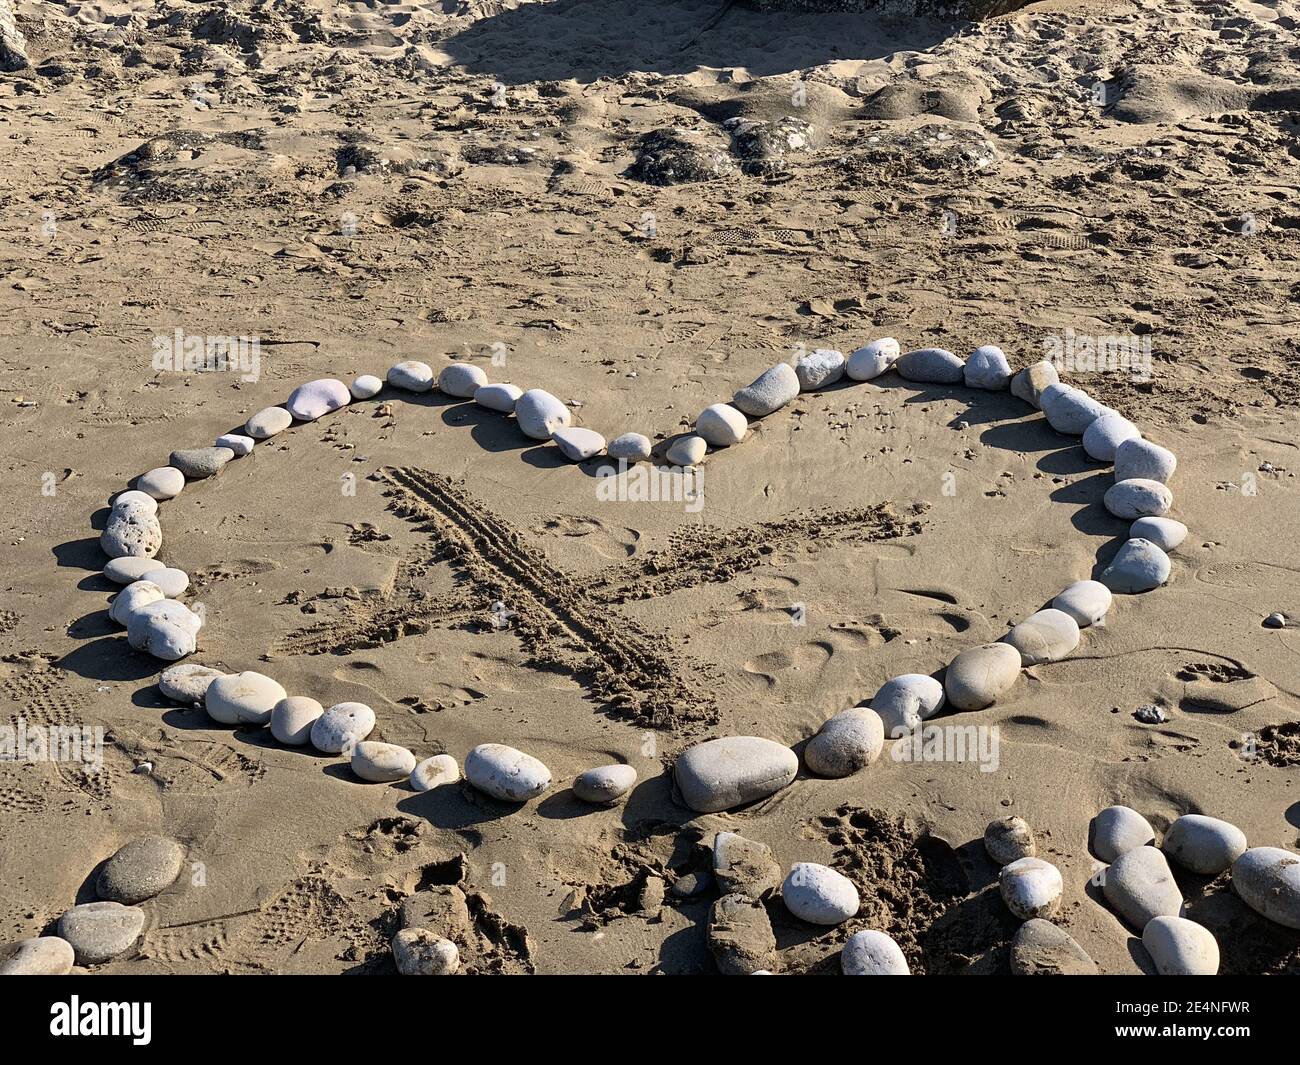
x: 978, y: 677
x: 187, y: 683
x: 634, y: 447
x: 317, y: 398
x: 341, y: 727
x: 132, y: 598
x: 419, y: 952
x: 768, y: 392
x: 505, y: 773
x: 1045, y: 636
x: 268, y: 422
x: 932, y: 366
x: 605, y: 784
x: 124, y: 501
x: 721, y: 425
x: 43, y: 956
x: 1104, y: 435
x: 1008, y: 840
x: 820, y: 368
x: 849, y: 741
x: 1142, y: 460
x: 987, y: 367
x: 1030, y: 383
x: 166, y: 629
x: 539, y: 414
x: 501, y: 398
x: 1031, y: 888
x: 1138, y: 499
x: 131, y: 531
x: 292, y: 719
x: 1087, y: 602
x: 1267, y: 879
x: 100, y: 931
x: 819, y: 895
x: 1138, y: 566
x: 434, y: 772
x: 688, y: 450
x: 1204, y: 845
x: 1140, y: 886
x: 577, y: 444
x: 1070, y: 410
x: 365, y: 386
x: 243, y: 698
x: 905, y: 701
x: 461, y: 379
x: 871, y: 360
x: 381, y: 763
x: 1180, y: 947
x: 162, y: 482
x: 140, y: 870
x: 1040, y: 948
x: 1165, y: 533
x: 1118, y: 830
x: 173, y: 582
x: 129, y: 568
x: 411, y: 376
x: 718, y: 774
x: 238, y: 443
x: 872, y: 953
x: 200, y: 462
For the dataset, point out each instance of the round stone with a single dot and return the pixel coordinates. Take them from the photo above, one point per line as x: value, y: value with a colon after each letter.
x: 1030, y: 383
x: 632, y: 447
x: 1104, y: 435
x: 1087, y: 602
x: 381, y: 763
x: 419, y: 952
x: 187, y: 683
x: 200, y: 462
x: 173, y: 582
x: 871, y: 360
x: 577, y: 444
x: 721, y: 425
x: 100, y: 931
x: 131, y: 531
x: 1040, y: 948
x: 1138, y: 499
x: 849, y: 741
x: 140, y: 870
x: 129, y: 568
x: 411, y: 376
x: 1204, y: 845
x: 1140, y: 885
x: 166, y: 629
x: 132, y: 598
x: 500, y: 398
x: 768, y: 392
x: 1031, y: 888
x: 1165, y: 533
x: 162, y: 482
x: 1008, y: 840
x: 461, y: 379
x: 819, y: 369
x: 365, y: 386
x: 987, y: 367
x: 1180, y: 947
x: 1275, y: 621
x: 1118, y: 830
x: 341, y: 727
x: 238, y: 443
x: 1045, y: 636
x: 317, y: 398
x: 44, y: 956
x: 905, y: 701
x: 434, y: 772
x: 132, y: 499
x: 539, y: 414
x: 688, y: 450
x: 292, y: 719
x: 1268, y: 881
x: 978, y: 677
x: 1070, y: 410
x: 243, y: 698
x: 505, y: 773
x: 872, y: 953
x: 819, y: 895
x: 268, y: 422
x: 1142, y: 460
x: 719, y: 774
x: 1138, y: 566
x: 931, y: 366
x: 605, y: 784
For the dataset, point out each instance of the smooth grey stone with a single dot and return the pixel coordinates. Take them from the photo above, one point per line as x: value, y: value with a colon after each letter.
x: 500, y: 397
x: 1134, y: 499
x: 43, y: 956
x: 166, y: 629
x: 768, y: 392
x: 1138, y: 566
x: 162, y: 482
x: 819, y: 895
x: 100, y: 931
x: 740, y: 936
x: 577, y: 444
x: 434, y: 772
x: 365, y: 386
x: 1045, y: 636
x: 292, y: 719
x: 1085, y: 601
x: 411, y: 376
x: 1268, y: 881
x: 140, y: 870
x: 129, y: 568
x: 1118, y: 830
x: 721, y: 425
x: 1140, y: 885
x: 1030, y: 383
x: 418, y: 952
x: 246, y: 698
x: 872, y: 953
x: 461, y: 379
x: 605, y: 784
x: 1145, y: 461
x: 847, y: 742
x: 539, y: 414
x: 987, y: 367
x: 268, y: 422
x: 173, y: 582
x: 199, y: 462
x: 634, y: 447
x: 1104, y: 435
x: 187, y: 683
x: 688, y: 450
x: 238, y: 443
x: 932, y: 366
x: 719, y: 774
x: 1008, y: 840
x: 744, y: 866
x: 978, y: 677
x: 819, y: 369
x: 131, y: 531
x: 1165, y: 533
x: 1070, y: 410
x: 905, y: 701
x: 1031, y: 888
x: 1180, y: 947
x: 1203, y: 844
x: 317, y: 398
x: 381, y: 763
x: 871, y: 360
x: 505, y: 773
x: 1040, y: 948
x: 341, y: 727
x: 1275, y: 621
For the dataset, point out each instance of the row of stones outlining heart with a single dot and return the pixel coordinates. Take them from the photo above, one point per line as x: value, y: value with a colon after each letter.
x: 974, y: 680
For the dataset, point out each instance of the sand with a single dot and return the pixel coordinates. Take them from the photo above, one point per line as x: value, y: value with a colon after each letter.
x: 357, y: 185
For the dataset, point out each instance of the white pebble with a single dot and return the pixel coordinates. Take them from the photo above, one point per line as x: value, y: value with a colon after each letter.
x: 1165, y: 533
x: 1030, y: 383
x: 977, y: 677
x: 1140, y: 885
x: 539, y: 414
x: 820, y: 368
x: 1135, y: 498
x: 129, y: 568
x: 872, y: 953
x: 461, y: 379
x: 238, y: 443
x: 411, y: 376
x: 1204, y: 845
x: 381, y: 763
x: 434, y: 772
x: 871, y: 360
x: 125, y: 501
x: 931, y: 366
x: 243, y: 698
x: 634, y: 447
x: 1031, y: 888
x: 292, y: 719
x: 131, y: 598
x: 172, y: 581
x: 500, y: 398
x: 768, y: 392
x: 420, y: 952
x: 1070, y: 410
x: 605, y: 784
x: 1045, y: 636
x: 317, y: 398
x: 1085, y: 601
x: 1118, y: 830
x: 578, y: 444
x: 819, y: 895
x: 1104, y: 435
x: 721, y: 425
x: 365, y: 386
x: 187, y: 683
x: 1143, y: 460
x: 505, y: 773
x: 688, y: 450
x: 162, y: 482
x: 849, y: 741
x: 268, y: 422
x: 1138, y: 566
x: 1267, y: 879
x: 718, y: 774
x: 341, y: 727
x: 987, y: 367
x: 168, y: 630
x: 1180, y: 947
x: 905, y: 701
